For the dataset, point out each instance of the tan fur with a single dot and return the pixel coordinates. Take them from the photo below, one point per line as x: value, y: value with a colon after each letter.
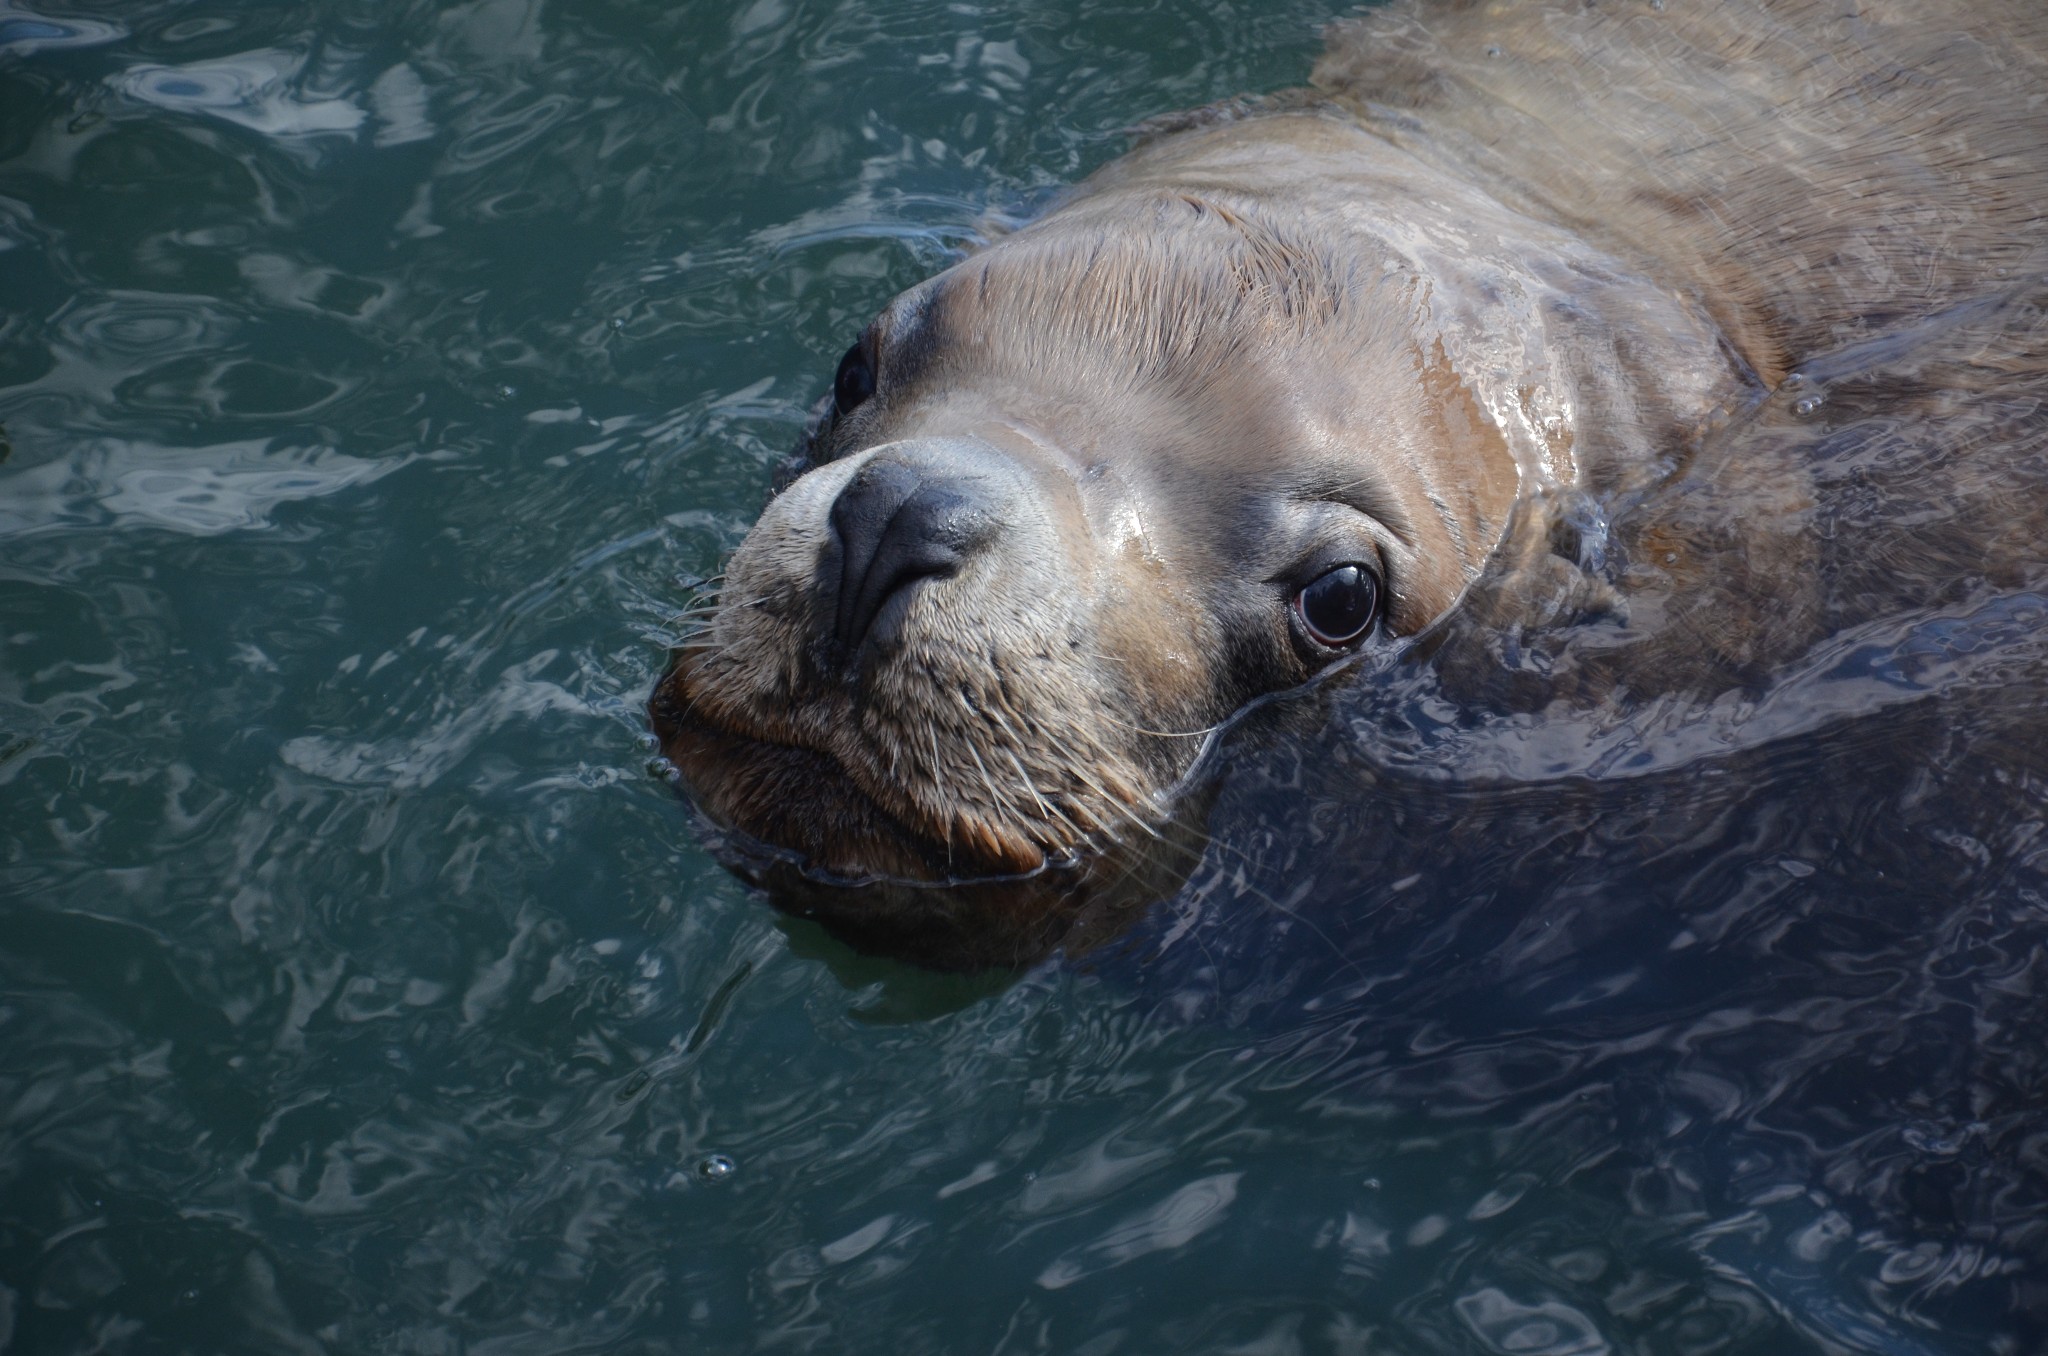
x: 1504, y: 258
x: 1812, y: 170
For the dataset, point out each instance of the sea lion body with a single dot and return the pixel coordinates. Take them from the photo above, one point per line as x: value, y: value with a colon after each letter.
x: 1069, y: 506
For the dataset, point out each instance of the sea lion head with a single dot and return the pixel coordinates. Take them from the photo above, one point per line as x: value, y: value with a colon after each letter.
x: 1202, y: 432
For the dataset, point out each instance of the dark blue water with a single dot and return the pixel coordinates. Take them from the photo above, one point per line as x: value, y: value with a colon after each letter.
x: 374, y: 379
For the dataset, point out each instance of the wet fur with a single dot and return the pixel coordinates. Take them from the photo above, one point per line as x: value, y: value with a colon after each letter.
x: 1673, y: 210
x: 1816, y: 171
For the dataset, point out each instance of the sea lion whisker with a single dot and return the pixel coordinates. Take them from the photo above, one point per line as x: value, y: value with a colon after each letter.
x: 1048, y: 811
x: 996, y: 798
x: 933, y: 729
x: 993, y: 711
x: 1165, y: 734
x: 1045, y: 811
x: 690, y: 615
x: 1114, y: 802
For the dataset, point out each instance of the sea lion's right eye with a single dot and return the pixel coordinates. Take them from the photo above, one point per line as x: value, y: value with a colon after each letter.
x: 1339, y: 605
x: 855, y: 380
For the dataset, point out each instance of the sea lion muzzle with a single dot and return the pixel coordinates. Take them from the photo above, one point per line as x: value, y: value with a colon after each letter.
x: 884, y: 689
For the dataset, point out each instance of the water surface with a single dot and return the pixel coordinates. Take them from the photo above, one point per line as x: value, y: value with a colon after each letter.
x: 374, y: 381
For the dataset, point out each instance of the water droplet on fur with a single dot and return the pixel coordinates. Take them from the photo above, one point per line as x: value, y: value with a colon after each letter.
x: 1806, y: 405
x: 661, y: 769
x: 1495, y: 52
x: 715, y: 1168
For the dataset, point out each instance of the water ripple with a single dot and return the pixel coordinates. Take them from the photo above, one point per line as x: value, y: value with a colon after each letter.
x: 372, y: 380
x: 251, y: 89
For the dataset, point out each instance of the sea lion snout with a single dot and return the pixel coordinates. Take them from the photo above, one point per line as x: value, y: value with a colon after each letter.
x: 913, y: 513
x: 902, y: 680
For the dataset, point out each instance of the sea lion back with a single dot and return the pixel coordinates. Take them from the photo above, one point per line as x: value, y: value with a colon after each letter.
x: 1812, y: 171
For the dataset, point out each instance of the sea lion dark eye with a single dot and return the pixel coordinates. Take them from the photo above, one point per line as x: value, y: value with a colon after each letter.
x: 854, y: 382
x: 1339, y: 607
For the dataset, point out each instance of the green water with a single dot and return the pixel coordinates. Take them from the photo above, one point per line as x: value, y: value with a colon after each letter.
x: 374, y: 380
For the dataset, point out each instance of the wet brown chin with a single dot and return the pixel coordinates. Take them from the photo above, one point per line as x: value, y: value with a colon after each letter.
x: 802, y: 800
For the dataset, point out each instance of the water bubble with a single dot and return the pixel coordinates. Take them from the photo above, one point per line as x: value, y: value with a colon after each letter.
x: 618, y: 322
x: 1372, y: 1184
x: 1495, y: 52
x: 715, y: 1168
x: 1793, y: 381
x: 1806, y: 405
x: 661, y: 769
x: 506, y: 392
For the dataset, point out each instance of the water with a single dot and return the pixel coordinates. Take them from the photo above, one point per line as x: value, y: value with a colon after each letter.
x: 373, y: 383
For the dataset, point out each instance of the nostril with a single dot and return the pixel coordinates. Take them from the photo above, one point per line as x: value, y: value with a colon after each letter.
x: 896, y: 525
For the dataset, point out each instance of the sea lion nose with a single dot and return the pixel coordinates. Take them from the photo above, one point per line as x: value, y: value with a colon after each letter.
x: 896, y: 524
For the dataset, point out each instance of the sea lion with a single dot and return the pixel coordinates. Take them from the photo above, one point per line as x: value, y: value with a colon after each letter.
x: 1271, y: 390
